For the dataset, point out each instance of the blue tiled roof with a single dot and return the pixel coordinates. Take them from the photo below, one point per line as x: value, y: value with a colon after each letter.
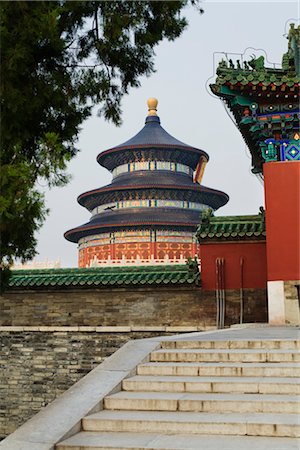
x: 153, y: 133
x: 124, y: 218
x: 173, y: 182
x: 152, y: 138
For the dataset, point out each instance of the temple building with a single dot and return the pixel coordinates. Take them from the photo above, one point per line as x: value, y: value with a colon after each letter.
x: 150, y: 211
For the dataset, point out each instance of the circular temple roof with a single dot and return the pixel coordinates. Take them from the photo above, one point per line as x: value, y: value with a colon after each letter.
x: 153, y: 137
x: 146, y: 184
x: 113, y: 220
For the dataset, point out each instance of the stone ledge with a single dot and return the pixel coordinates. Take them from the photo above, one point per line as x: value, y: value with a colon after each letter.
x: 113, y: 329
x: 105, y: 329
x: 148, y: 328
x: 179, y: 329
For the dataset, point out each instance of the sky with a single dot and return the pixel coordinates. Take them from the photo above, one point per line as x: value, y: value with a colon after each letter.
x: 187, y: 110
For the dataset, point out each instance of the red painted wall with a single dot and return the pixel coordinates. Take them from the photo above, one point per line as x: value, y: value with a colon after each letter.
x: 282, y: 200
x: 145, y: 250
x: 255, y: 265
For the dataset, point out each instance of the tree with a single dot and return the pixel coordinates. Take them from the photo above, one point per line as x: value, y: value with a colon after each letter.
x: 59, y: 59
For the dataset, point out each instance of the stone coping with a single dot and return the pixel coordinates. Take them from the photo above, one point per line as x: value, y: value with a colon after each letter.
x: 105, y: 329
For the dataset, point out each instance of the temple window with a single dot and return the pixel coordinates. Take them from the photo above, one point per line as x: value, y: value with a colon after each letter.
x: 152, y: 165
x: 145, y: 203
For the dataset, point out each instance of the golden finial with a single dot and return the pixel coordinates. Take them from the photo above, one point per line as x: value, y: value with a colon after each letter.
x: 152, y: 105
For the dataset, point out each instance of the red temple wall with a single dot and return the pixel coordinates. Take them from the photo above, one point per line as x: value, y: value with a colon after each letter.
x: 254, y: 269
x: 134, y: 250
x: 282, y: 200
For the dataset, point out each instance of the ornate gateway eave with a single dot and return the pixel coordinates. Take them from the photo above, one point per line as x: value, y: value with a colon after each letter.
x: 265, y: 103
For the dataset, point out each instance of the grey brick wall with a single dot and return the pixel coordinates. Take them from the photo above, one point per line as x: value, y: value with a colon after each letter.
x: 36, y: 367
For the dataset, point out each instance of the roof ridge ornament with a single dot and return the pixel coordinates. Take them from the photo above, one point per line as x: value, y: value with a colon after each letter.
x: 152, y: 106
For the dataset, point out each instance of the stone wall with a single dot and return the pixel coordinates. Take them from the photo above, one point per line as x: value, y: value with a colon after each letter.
x: 50, y: 339
x: 104, y: 307
x: 38, y: 366
x: 169, y: 306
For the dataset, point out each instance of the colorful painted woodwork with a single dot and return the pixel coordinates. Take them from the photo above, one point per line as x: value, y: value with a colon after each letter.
x: 265, y: 103
x: 150, y: 211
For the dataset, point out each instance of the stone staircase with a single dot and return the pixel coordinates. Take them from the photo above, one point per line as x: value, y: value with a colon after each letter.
x: 202, y: 394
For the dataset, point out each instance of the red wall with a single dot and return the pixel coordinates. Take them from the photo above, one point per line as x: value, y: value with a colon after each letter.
x: 132, y: 250
x: 255, y: 265
x: 282, y: 200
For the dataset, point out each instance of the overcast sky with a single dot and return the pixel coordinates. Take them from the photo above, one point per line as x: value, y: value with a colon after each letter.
x: 187, y: 110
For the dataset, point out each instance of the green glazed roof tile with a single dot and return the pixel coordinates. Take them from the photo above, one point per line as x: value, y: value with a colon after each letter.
x: 106, y: 276
x: 234, y: 76
x: 228, y: 227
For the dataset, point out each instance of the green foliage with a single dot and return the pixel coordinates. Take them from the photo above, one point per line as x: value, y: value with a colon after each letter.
x: 5, y: 275
x: 22, y: 212
x: 59, y: 59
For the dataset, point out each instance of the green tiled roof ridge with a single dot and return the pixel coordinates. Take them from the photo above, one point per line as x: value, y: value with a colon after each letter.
x: 114, y: 269
x: 254, y: 71
x: 246, y: 218
x: 238, y: 227
x: 103, y: 276
x: 266, y: 76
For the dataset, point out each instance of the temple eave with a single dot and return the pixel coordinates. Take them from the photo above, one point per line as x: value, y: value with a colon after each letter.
x: 75, y: 234
x: 92, y: 198
x: 115, y: 156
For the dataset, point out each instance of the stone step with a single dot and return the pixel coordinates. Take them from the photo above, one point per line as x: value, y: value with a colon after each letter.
x: 89, y: 440
x: 251, y: 385
x: 175, y: 401
x: 258, y: 424
x: 236, y: 344
x: 221, y: 369
x: 235, y: 355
